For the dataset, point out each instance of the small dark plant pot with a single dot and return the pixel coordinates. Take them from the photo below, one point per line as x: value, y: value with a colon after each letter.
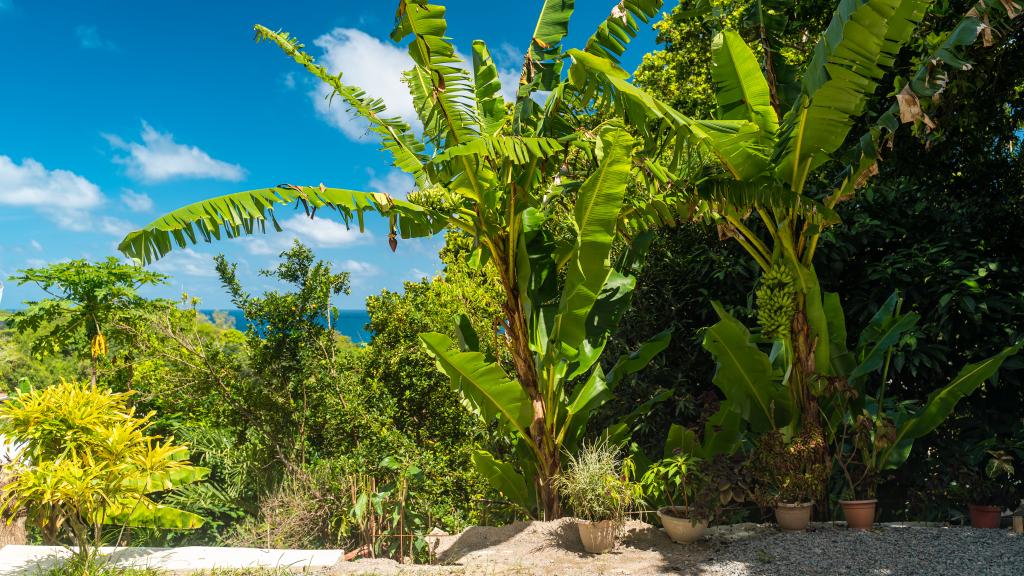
x: 985, y: 516
x: 860, y: 514
x: 793, y: 517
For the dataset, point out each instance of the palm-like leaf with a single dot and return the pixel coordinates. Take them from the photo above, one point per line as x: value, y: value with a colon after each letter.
x: 247, y: 212
x: 395, y: 134
x: 620, y: 27
x: 489, y: 102
x: 442, y: 88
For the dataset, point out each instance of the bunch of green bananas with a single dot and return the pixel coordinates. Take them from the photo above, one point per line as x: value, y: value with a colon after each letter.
x: 776, y: 302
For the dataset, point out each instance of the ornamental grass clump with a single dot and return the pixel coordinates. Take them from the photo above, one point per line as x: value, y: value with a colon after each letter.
x: 596, y: 484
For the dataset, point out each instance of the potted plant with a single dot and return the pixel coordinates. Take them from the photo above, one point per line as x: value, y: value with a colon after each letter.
x: 675, y: 480
x: 789, y: 475
x: 990, y: 489
x: 597, y: 488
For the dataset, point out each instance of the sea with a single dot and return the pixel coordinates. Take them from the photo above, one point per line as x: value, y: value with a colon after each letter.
x: 351, y: 323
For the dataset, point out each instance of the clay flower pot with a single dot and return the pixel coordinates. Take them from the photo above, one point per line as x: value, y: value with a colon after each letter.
x: 679, y: 527
x: 793, y: 517
x: 860, y: 514
x: 985, y: 516
x: 597, y: 537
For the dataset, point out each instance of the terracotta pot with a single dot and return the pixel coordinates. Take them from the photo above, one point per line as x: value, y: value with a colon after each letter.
x: 597, y: 537
x: 985, y: 516
x: 860, y: 514
x: 679, y: 528
x: 793, y: 517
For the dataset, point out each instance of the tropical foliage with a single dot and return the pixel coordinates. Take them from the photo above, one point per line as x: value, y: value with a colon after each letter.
x: 87, y: 460
x: 589, y: 326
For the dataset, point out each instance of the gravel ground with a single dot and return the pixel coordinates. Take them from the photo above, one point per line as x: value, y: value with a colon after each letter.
x: 553, y: 548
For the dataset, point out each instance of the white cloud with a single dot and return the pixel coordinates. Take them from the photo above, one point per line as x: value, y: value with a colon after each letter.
x: 90, y: 39
x: 31, y: 184
x: 62, y: 195
x: 159, y: 158
x: 324, y: 232
x: 394, y: 183
x: 136, y: 201
x: 36, y: 245
x: 376, y: 66
x: 360, y: 268
x: 371, y: 64
x: 288, y: 80
x: 187, y: 262
x: 320, y: 232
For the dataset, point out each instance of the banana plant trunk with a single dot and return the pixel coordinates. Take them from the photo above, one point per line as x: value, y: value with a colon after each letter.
x: 549, y: 459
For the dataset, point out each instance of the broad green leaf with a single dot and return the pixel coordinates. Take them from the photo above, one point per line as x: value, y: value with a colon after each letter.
x: 596, y: 212
x: 744, y: 374
x: 448, y: 106
x: 849, y: 60
x: 502, y: 477
x: 484, y: 383
x: 161, y: 480
x: 489, y: 102
x: 742, y: 90
x: 147, y: 514
x: 842, y: 361
x: 639, y: 359
x: 940, y: 405
x: 874, y: 354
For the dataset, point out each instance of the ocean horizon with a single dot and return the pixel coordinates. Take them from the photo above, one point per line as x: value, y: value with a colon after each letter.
x: 350, y: 323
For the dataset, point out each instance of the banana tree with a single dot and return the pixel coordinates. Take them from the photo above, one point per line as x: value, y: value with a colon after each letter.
x: 870, y: 433
x: 767, y: 185
x: 501, y: 173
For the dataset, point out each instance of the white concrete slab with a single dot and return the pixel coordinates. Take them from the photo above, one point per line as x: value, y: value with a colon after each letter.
x: 25, y: 560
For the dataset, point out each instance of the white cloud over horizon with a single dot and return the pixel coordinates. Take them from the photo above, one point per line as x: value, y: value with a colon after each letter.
x: 159, y: 158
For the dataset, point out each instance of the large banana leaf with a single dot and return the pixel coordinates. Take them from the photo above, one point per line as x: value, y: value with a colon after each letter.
x: 396, y: 137
x: 849, y: 60
x: 742, y: 91
x: 596, y: 213
x: 620, y: 27
x: 940, y: 405
x: 246, y: 212
x: 484, y: 383
x: 503, y: 478
x: 489, y: 102
x: 445, y: 91
x: 744, y: 374
x: 734, y: 142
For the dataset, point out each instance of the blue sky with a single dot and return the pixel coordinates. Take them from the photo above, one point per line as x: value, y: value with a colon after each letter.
x: 115, y: 112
